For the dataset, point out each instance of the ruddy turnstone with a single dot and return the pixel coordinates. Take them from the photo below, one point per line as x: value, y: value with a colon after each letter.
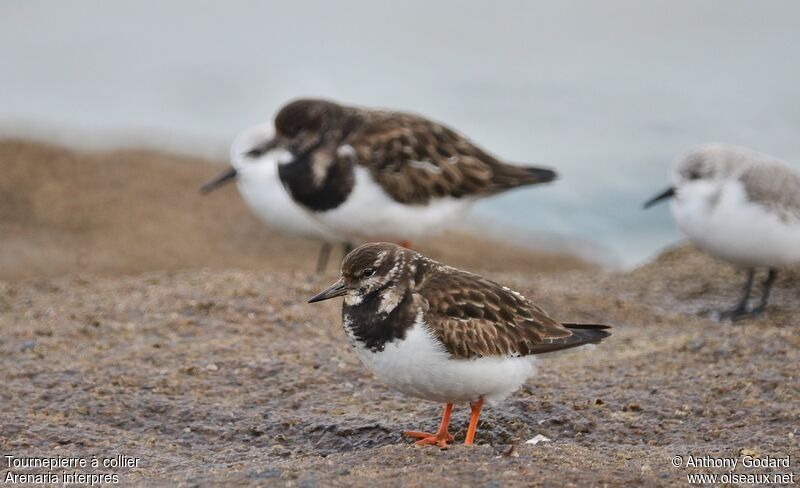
x: 374, y: 174
x: 442, y: 334
x: 256, y: 175
x: 740, y: 206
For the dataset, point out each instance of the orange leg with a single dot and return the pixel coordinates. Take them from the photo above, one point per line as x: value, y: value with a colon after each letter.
x: 441, y: 438
x: 406, y: 244
x: 473, y: 421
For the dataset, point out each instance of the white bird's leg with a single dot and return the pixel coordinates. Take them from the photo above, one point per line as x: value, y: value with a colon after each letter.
x: 740, y: 310
x: 324, y: 254
x: 767, y: 288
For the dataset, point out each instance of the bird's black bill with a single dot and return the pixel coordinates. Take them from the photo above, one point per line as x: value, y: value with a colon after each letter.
x: 335, y: 290
x: 226, y: 176
x: 668, y: 193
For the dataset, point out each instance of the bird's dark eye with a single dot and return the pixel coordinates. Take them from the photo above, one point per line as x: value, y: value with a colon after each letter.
x: 694, y: 175
x: 368, y: 272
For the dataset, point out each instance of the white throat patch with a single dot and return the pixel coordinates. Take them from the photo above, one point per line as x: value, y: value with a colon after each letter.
x: 352, y: 299
x: 390, y: 298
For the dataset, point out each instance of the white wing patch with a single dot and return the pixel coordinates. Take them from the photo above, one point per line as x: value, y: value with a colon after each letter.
x: 426, y: 165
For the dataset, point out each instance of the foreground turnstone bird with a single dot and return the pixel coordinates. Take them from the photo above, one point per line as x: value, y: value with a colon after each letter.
x: 374, y: 174
x: 256, y: 175
x: 443, y: 334
x: 740, y: 206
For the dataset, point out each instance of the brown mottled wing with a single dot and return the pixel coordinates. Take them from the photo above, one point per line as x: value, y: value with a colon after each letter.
x: 416, y: 160
x: 476, y: 317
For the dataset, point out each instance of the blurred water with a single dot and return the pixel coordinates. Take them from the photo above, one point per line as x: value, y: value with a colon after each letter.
x: 606, y: 92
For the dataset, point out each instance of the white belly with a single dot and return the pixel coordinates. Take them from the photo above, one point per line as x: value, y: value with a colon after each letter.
x: 370, y: 214
x: 737, y: 230
x: 419, y: 367
x: 270, y: 201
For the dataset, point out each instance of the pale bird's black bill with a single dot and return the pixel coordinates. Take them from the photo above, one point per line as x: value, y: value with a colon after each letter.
x: 668, y: 193
x: 335, y: 290
x: 225, y: 177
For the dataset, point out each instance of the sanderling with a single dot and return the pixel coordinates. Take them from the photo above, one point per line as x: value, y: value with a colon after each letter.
x: 740, y: 206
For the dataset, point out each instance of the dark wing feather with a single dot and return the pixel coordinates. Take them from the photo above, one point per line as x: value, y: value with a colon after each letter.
x: 416, y: 160
x: 476, y: 317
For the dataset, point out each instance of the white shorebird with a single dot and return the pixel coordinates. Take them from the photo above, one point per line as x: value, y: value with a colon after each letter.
x: 740, y: 206
x: 442, y: 334
x: 256, y: 175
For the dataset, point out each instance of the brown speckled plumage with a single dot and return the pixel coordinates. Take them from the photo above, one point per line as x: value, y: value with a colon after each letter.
x: 416, y: 160
x: 412, y: 158
x: 474, y: 317
x: 471, y: 316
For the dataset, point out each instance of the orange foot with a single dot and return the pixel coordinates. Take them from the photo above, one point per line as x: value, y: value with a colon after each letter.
x: 426, y: 439
x: 440, y: 438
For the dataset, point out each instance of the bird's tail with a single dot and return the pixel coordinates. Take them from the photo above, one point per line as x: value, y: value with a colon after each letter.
x: 589, y: 333
x: 584, y: 336
x: 508, y: 176
x: 541, y: 175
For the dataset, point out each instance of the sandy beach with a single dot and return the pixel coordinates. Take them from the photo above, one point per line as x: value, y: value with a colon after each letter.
x: 139, y: 318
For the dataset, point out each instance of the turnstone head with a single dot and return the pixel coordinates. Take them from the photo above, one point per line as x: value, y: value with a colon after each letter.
x: 740, y: 206
x: 442, y: 334
x: 368, y: 174
x: 256, y: 175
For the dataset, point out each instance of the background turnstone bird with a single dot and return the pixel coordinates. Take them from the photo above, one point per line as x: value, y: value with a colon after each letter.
x: 740, y: 206
x: 375, y: 174
x: 256, y: 175
x: 442, y: 334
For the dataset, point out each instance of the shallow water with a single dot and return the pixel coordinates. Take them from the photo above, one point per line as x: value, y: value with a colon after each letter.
x: 609, y: 94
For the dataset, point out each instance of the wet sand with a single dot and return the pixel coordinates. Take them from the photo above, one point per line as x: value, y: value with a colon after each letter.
x: 183, y: 338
